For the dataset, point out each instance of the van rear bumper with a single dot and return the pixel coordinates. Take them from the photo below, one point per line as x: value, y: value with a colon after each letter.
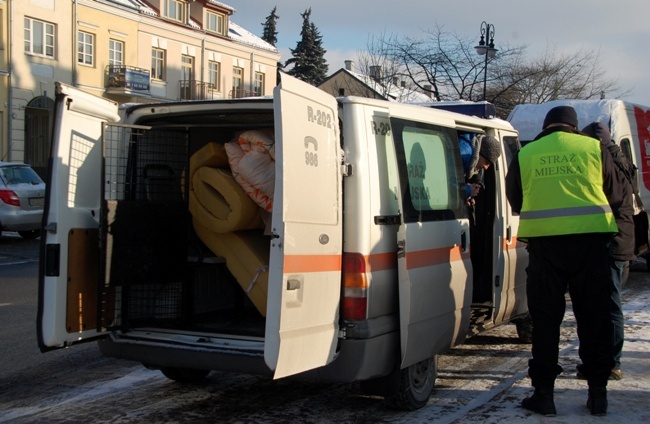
x: 359, y: 358
x: 161, y: 355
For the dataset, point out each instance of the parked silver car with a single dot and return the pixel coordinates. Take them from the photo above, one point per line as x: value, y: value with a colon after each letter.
x: 22, y: 193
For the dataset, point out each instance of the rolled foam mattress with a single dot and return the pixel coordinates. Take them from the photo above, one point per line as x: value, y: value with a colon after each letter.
x: 219, y: 203
x: 212, y: 155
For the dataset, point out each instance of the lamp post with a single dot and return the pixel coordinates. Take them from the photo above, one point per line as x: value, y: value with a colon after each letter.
x: 486, y: 49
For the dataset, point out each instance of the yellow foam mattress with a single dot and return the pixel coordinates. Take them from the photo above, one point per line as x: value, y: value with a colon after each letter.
x: 219, y: 203
x: 247, y: 258
x: 212, y: 155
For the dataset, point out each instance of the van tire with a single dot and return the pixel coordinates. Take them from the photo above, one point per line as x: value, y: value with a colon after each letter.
x: 185, y: 375
x: 415, y: 385
x: 524, y: 329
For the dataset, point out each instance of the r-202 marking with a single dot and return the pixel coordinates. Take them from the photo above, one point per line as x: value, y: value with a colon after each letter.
x: 319, y: 117
x: 380, y: 127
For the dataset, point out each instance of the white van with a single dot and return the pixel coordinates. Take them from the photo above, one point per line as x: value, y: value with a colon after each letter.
x: 352, y: 265
x: 629, y: 125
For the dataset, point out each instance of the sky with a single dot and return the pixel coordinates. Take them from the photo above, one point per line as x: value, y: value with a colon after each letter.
x: 618, y: 30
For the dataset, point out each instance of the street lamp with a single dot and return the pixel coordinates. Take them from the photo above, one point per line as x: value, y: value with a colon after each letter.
x: 487, y: 50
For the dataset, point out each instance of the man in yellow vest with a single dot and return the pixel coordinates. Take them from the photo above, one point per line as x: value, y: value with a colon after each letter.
x: 564, y: 186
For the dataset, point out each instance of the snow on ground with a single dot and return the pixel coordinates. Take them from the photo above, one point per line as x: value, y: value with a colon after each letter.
x: 629, y: 398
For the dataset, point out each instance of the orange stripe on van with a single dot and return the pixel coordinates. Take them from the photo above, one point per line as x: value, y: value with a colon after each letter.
x: 429, y: 257
x: 312, y: 263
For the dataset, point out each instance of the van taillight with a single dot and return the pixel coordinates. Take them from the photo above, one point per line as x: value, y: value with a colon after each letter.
x: 355, y: 287
x: 9, y: 197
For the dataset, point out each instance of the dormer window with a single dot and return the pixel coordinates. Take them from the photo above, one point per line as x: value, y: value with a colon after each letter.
x: 215, y: 22
x: 174, y: 10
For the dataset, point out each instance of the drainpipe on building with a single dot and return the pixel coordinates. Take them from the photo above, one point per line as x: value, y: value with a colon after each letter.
x: 74, y: 43
x: 252, y: 81
x: 203, y: 64
x: 10, y: 92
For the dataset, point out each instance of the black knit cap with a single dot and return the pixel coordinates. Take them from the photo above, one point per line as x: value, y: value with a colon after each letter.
x: 561, y: 115
x: 490, y: 149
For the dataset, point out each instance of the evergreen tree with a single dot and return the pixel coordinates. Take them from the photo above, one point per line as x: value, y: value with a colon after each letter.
x: 308, y: 58
x: 270, y: 34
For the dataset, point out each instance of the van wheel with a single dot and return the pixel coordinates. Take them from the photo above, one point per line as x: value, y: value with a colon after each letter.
x: 524, y: 329
x: 415, y: 385
x: 184, y: 375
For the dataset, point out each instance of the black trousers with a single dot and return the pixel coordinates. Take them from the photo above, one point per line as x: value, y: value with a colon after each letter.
x: 579, y: 264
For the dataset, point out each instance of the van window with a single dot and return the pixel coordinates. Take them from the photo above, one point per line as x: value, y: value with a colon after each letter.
x: 512, y: 147
x: 430, y: 171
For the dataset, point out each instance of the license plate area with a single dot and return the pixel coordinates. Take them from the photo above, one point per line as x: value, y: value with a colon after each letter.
x: 37, y: 201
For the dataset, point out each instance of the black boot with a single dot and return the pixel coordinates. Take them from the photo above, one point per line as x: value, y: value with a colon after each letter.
x: 541, y: 402
x: 597, y: 401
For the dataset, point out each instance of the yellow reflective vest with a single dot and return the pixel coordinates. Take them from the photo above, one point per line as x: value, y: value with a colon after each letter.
x: 562, y: 184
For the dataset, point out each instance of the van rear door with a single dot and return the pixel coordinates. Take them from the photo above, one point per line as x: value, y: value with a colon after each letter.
x: 435, y: 277
x: 305, y: 267
x: 69, y: 271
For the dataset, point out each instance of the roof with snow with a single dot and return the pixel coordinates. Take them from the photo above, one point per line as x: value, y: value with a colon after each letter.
x: 390, y: 91
x: 235, y: 32
x: 244, y: 36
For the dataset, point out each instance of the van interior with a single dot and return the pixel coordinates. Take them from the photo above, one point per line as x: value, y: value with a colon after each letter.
x: 173, y: 217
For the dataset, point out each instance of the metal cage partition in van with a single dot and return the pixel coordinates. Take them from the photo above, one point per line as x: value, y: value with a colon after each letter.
x: 144, y: 226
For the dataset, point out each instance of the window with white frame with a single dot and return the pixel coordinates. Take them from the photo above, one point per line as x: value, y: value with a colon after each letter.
x: 115, y: 52
x: 187, y: 74
x: 237, y: 82
x: 40, y: 37
x: 214, y: 74
x: 85, y: 48
x: 174, y: 9
x: 215, y: 22
x: 157, y: 63
x: 187, y: 67
x: 258, y: 87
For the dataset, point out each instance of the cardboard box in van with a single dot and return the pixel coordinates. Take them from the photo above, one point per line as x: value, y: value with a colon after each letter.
x: 629, y: 125
x: 296, y: 234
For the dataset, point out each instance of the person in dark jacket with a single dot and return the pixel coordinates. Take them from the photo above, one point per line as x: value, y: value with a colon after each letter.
x: 621, y: 249
x: 565, y: 187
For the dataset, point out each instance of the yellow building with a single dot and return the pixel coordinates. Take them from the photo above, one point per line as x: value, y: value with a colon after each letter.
x: 125, y: 50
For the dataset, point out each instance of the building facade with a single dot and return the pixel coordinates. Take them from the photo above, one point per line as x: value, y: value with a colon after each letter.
x: 125, y: 50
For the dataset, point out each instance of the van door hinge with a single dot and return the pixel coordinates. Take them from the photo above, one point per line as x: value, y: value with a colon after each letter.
x: 341, y: 333
x: 51, y: 227
x: 346, y: 169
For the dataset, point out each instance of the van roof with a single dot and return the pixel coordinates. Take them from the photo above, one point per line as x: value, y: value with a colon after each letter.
x: 528, y: 118
x: 415, y: 109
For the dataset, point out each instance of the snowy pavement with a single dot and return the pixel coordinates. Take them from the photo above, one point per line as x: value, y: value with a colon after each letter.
x: 629, y: 398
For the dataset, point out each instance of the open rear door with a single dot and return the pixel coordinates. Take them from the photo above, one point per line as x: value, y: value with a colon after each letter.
x: 305, y: 269
x: 434, y: 266
x: 69, y: 271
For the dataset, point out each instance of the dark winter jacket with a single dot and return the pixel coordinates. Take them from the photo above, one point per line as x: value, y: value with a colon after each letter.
x: 622, y: 247
x: 612, y: 185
